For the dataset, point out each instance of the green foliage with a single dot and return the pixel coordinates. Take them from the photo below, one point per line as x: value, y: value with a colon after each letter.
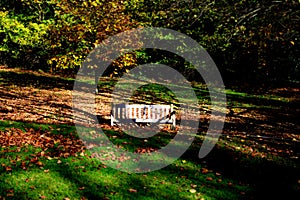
x: 254, y: 39
x: 60, y: 32
x: 23, y: 41
x: 81, y: 25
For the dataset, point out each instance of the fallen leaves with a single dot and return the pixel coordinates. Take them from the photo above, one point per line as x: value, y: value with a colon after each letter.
x: 60, y: 145
x: 8, y: 168
x: 145, y: 150
x: 132, y: 190
x: 204, y: 171
x: 209, y: 178
x: 53, y: 146
x: 39, y: 163
x: 81, y: 188
x: 230, y: 184
x: 193, y: 191
x: 10, y: 193
x: 33, y: 104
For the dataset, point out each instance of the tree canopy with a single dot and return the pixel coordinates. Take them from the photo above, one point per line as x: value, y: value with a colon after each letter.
x: 249, y: 38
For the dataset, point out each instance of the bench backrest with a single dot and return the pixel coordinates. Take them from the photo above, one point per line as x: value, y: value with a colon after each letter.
x: 144, y: 113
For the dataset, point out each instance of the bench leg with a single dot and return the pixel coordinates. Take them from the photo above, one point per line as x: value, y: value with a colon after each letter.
x: 173, y: 122
x: 112, y: 120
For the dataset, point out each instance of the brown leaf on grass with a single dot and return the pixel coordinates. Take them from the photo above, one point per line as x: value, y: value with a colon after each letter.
x: 204, y: 171
x: 43, y: 197
x: 10, y: 191
x: 34, y: 160
x: 23, y: 164
x: 13, y: 162
x: 81, y: 188
x: 42, y: 153
x: 145, y: 150
x: 10, y: 194
x: 209, y: 178
x: 66, y: 155
x: 8, y: 168
x: 62, y: 146
x: 132, y: 190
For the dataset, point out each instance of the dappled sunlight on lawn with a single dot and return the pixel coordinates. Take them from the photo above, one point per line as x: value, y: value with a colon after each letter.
x: 39, y: 145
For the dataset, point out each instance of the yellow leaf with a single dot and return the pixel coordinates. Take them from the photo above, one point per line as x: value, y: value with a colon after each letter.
x: 193, y: 191
x: 94, y: 3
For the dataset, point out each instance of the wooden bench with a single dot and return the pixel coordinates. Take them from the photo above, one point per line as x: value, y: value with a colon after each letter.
x: 140, y: 113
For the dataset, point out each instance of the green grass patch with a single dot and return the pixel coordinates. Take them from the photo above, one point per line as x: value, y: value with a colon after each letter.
x: 78, y: 177
x: 227, y: 173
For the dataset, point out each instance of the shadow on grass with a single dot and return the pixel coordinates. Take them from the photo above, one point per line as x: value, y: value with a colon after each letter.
x: 101, y: 182
x: 81, y: 176
x: 267, y: 178
x: 24, y: 79
x: 252, y: 115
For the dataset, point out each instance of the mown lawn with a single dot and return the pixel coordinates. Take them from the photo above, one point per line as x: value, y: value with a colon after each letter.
x: 42, y: 156
x: 229, y: 172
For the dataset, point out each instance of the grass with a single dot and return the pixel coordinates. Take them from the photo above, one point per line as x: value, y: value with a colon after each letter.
x: 75, y: 178
x: 81, y: 176
x: 239, y: 167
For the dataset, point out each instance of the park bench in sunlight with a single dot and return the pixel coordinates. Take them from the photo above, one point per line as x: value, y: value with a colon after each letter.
x: 141, y: 113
